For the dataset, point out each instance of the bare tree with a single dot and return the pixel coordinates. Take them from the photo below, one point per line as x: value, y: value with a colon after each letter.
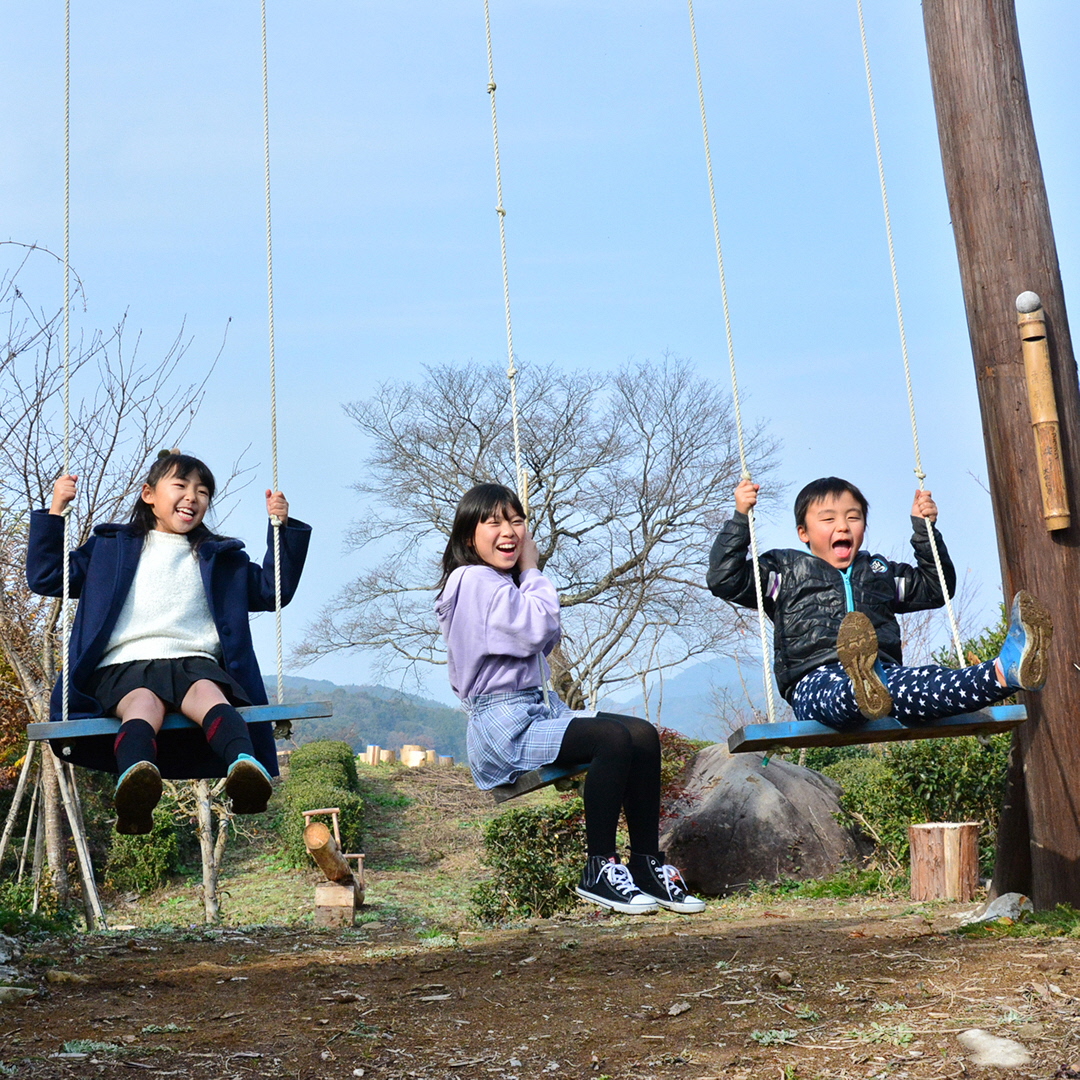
x: 629, y: 476
x: 123, y: 410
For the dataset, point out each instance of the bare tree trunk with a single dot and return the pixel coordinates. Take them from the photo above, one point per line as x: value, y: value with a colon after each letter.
x: 55, y: 835
x: 205, y: 819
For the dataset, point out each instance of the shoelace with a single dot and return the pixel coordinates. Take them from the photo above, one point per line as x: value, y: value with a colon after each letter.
x: 619, y: 878
x: 672, y: 879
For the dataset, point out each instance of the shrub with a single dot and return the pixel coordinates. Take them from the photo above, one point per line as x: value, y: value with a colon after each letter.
x: 143, y: 863
x: 537, y: 855
x: 17, y: 919
x: 926, y: 780
x: 321, y: 774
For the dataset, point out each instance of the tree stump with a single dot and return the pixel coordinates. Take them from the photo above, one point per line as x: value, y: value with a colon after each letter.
x: 944, y: 860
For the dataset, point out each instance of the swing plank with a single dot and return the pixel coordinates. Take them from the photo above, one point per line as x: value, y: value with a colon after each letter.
x: 110, y: 725
x: 536, y: 779
x: 797, y: 734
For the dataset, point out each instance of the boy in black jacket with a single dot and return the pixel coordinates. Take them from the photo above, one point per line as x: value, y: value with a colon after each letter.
x: 838, y: 656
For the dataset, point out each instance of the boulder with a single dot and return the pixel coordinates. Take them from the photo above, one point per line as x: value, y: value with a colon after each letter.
x: 740, y: 821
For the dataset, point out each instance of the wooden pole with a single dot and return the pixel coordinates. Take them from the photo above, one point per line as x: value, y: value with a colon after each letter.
x: 1005, y: 246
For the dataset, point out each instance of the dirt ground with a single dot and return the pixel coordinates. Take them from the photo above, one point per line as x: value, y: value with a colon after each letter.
x: 871, y: 993
x: 754, y: 987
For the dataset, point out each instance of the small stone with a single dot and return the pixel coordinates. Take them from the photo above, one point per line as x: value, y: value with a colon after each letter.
x: 12, y: 995
x: 990, y: 1050
x: 679, y: 1008
x: 783, y: 978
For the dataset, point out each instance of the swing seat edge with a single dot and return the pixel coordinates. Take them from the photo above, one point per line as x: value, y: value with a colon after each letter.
x: 797, y: 734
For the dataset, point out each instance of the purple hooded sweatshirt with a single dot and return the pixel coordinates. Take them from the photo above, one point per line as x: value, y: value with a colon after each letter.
x: 495, y: 631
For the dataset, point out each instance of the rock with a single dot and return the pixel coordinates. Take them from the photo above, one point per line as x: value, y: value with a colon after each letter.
x: 679, y: 1008
x: 783, y: 978
x: 12, y: 995
x: 9, y: 973
x: 1010, y: 907
x: 986, y: 1049
x: 55, y: 975
x: 10, y: 949
x: 740, y: 822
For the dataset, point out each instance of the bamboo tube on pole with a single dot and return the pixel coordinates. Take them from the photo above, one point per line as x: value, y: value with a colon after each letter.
x: 1031, y: 320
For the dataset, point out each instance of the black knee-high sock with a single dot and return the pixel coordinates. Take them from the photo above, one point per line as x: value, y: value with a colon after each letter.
x: 227, y: 733
x: 135, y: 742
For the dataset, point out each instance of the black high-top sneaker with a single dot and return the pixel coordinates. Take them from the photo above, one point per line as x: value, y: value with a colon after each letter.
x: 605, y: 881
x: 663, y: 883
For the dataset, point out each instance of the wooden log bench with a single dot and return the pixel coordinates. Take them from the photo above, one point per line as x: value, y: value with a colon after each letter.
x: 796, y: 734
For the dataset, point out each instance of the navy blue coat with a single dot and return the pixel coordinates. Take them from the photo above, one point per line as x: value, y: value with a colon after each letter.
x: 101, y: 573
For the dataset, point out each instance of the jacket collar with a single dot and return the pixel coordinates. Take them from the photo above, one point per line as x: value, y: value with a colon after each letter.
x: 127, y: 532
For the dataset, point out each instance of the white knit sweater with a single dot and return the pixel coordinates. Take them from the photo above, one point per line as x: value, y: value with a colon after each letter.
x: 166, y: 614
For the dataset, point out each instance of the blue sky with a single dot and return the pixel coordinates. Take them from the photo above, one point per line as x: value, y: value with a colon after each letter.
x: 386, y: 243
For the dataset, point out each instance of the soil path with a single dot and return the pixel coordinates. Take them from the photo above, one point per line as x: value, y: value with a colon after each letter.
x: 796, y: 990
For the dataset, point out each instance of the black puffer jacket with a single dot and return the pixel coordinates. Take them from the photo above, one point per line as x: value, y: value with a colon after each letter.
x: 805, y: 598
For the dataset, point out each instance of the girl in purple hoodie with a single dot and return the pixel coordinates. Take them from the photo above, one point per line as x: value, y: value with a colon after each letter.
x: 499, y: 617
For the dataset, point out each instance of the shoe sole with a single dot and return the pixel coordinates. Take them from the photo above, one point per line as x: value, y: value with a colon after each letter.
x: 1039, y: 629
x: 615, y: 905
x: 683, y: 907
x: 857, y: 648
x: 248, y: 788
x: 136, y: 798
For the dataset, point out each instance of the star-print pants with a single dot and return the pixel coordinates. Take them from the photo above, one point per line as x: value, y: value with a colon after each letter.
x: 918, y: 693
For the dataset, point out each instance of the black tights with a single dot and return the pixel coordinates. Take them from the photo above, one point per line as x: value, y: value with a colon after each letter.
x: 623, y: 755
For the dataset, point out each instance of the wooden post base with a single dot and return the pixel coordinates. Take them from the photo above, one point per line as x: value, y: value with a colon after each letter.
x: 944, y: 860
x: 335, y: 905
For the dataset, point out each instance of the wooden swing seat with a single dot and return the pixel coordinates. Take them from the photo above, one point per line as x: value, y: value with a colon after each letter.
x: 110, y: 725
x: 797, y: 734
x: 562, y: 776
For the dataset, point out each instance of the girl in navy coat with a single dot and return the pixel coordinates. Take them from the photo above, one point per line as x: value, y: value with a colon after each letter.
x: 162, y: 626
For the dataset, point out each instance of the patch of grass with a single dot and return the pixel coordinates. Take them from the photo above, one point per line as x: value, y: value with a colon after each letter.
x: 774, y: 1036
x: 89, y: 1046
x: 844, y: 885
x: 1062, y: 921
x: 165, y: 1029
x: 894, y: 1035
x: 7, y: 1070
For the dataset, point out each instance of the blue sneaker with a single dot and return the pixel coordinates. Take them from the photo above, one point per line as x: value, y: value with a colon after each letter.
x: 1024, y: 658
x: 137, y: 793
x: 857, y: 650
x: 247, y: 783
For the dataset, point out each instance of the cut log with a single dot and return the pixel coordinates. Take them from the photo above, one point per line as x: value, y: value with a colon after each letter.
x: 447, y: 762
x: 325, y: 851
x: 944, y: 860
x: 335, y: 904
x: 387, y: 757
x: 413, y: 758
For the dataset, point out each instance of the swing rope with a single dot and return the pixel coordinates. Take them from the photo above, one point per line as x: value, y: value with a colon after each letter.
x: 65, y: 600
x: 957, y: 645
x: 763, y: 631
x: 273, y: 367
x: 511, y: 370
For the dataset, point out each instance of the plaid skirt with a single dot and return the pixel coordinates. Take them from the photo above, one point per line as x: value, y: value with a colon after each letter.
x: 514, y: 732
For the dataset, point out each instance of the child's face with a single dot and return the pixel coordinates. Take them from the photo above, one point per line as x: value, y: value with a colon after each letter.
x: 834, y: 529
x: 179, y: 502
x: 498, y: 538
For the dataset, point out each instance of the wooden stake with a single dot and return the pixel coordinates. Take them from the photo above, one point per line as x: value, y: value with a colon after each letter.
x: 944, y: 861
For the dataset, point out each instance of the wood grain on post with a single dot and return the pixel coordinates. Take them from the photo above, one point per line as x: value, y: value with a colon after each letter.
x: 1005, y: 245
x: 944, y: 860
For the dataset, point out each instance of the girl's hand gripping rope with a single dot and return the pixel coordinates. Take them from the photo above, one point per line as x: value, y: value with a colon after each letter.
x: 277, y: 506
x: 63, y: 494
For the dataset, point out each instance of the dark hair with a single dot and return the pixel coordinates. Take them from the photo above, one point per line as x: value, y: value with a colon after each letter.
x: 477, y: 505
x: 817, y: 490
x: 173, y: 463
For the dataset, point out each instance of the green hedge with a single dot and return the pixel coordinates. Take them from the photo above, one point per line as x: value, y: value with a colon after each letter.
x: 537, y: 855
x: 909, y: 783
x: 321, y: 774
x: 143, y: 863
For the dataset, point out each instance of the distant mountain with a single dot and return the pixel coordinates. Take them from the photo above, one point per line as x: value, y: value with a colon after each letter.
x: 378, y: 715
x: 706, y: 701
